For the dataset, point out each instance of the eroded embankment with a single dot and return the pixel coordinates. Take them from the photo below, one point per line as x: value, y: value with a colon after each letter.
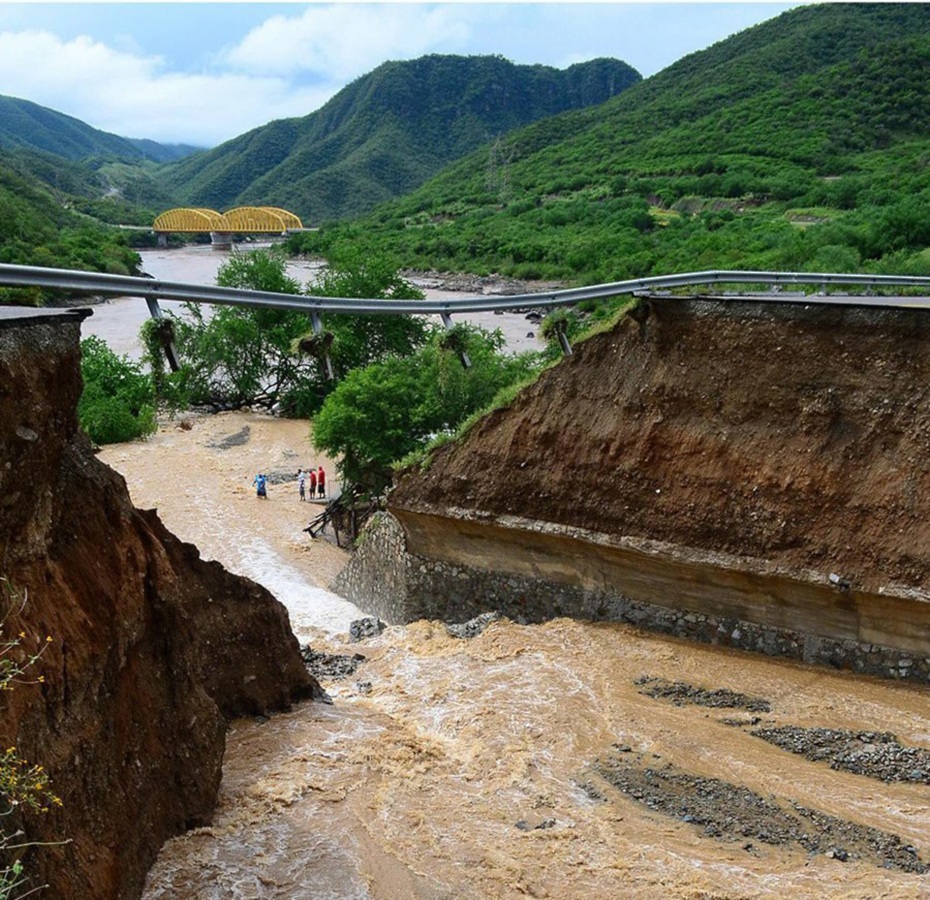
x: 722, y: 461
x: 152, y: 649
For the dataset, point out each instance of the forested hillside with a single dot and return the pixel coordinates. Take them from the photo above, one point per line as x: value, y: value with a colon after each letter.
x: 42, y: 224
x: 802, y: 143
x: 26, y: 124
x: 387, y: 132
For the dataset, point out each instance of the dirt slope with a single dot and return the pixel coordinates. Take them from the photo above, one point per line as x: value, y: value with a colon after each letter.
x: 793, y: 434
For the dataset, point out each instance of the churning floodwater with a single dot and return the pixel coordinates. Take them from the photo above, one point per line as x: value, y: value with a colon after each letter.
x: 450, y: 769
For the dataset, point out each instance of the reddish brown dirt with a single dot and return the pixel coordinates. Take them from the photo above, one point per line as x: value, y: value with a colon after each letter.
x: 151, y: 649
x: 795, y: 434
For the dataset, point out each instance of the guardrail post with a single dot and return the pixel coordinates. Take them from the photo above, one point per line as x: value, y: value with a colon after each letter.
x: 171, y: 353
x: 463, y: 356
x: 317, y: 323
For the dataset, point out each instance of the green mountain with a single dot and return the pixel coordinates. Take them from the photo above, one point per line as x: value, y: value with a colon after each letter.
x: 387, y: 132
x: 803, y: 142
x: 27, y: 125
x: 44, y: 224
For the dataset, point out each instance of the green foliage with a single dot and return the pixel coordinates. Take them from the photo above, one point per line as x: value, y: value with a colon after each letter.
x: 562, y: 321
x: 263, y: 270
x: 37, y: 228
x: 824, y: 106
x: 240, y: 355
x: 388, y: 132
x: 118, y: 401
x: 360, y: 340
x: 383, y: 412
x: 26, y: 124
x: 171, y: 388
x: 23, y: 786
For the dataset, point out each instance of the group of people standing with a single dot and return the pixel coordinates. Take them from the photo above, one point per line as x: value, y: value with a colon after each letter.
x: 317, y: 482
x: 315, y: 478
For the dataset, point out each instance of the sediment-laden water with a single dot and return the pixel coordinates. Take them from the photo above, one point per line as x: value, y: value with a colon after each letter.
x: 528, y: 761
x: 118, y: 320
x: 566, y: 760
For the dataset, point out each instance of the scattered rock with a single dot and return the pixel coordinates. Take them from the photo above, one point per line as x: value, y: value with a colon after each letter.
x: 726, y: 811
x: 239, y: 439
x: 523, y: 825
x: 473, y: 627
x: 327, y: 665
x: 368, y: 627
x: 873, y: 754
x: 681, y: 694
x: 734, y: 722
x: 591, y: 791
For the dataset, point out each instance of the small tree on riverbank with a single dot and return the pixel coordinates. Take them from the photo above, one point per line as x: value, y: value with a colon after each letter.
x: 118, y: 401
x: 242, y: 355
x: 381, y: 413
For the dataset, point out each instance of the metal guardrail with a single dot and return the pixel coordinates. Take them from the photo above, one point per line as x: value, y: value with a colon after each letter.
x: 153, y: 289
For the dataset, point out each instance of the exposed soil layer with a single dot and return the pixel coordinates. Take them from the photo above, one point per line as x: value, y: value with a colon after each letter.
x: 732, y: 813
x: 874, y: 754
x: 150, y: 648
x: 799, y: 435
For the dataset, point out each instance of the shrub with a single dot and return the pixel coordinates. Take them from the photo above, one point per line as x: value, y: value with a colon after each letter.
x: 22, y: 785
x: 118, y: 402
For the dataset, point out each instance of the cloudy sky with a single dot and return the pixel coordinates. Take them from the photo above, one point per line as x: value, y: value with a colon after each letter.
x: 201, y: 73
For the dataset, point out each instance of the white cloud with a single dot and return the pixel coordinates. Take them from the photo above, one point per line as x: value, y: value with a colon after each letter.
x: 339, y: 43
x: 183, y: 88
x: 134, y: 96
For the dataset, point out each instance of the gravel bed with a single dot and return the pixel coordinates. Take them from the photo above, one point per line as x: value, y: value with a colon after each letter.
x: 725, y: 811
x: 682, y: 694
x: 871, y: 753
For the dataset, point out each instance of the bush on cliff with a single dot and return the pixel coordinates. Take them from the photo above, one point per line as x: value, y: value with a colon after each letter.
x: 22, y: 785
x: 118, y: 402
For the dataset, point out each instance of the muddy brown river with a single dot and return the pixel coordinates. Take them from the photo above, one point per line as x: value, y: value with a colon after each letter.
x: 449, y: 768
x: 524, y: 762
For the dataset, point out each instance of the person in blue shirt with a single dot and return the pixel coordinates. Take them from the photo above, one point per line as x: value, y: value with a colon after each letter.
x: 260, y: 482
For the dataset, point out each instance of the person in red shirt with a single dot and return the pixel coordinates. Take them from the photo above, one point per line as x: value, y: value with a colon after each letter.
x: 321, y: 481
x: 311, y: 477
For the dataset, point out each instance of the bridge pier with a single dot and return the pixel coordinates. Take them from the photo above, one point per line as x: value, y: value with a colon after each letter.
x: 162, y: 239
x: 221, y: 240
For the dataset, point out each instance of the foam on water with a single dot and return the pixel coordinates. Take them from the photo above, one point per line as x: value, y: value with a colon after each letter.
x: 308, y: 606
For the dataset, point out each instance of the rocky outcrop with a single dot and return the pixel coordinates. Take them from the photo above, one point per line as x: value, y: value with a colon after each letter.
x: 738, y: 464
x: 152, y: 650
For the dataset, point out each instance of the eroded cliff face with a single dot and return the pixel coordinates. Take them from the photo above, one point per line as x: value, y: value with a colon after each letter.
x: 798, y: 435
x: 152, y: 649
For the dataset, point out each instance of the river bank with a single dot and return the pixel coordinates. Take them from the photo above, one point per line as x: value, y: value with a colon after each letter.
x: 517, y: 763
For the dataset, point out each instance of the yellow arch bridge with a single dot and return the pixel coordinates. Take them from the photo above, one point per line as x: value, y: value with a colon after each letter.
x: 222, y: 226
